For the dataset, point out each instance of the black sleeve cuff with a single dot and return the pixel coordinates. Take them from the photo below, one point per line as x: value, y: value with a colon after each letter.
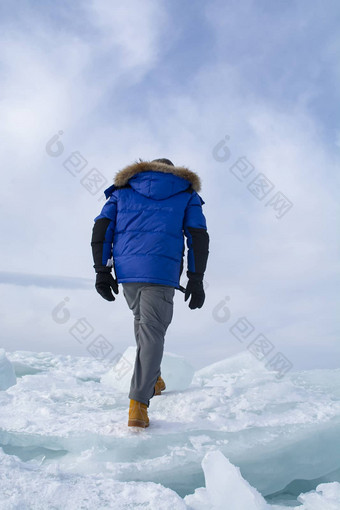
x: 197, y: 277
x: 102, y: 269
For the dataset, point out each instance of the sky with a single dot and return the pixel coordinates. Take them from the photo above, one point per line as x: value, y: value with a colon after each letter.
x: 246, y: 94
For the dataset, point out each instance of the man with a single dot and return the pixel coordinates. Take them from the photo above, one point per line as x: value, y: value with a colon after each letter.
x: 139, y: 234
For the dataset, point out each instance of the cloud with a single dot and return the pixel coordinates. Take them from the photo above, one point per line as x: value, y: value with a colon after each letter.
x: 133, y: 80
x: 131, y: 30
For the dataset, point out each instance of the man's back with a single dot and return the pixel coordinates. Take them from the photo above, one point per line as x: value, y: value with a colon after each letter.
x: 141, y: 226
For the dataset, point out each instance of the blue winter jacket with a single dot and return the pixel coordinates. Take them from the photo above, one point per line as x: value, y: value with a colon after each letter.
x: 140, y: 231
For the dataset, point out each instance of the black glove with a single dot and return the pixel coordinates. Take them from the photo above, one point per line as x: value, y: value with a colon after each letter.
x: 104, y: 283
x: 195, y: 290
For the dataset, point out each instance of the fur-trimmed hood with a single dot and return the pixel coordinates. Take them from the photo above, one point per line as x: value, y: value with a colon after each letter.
x: 123, y: 176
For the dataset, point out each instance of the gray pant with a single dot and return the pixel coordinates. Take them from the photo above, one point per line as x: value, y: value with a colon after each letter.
x: 152, y: 307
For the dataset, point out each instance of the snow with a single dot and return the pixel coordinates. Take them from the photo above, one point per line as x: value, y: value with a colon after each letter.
x: 27, y: 486
x: 230, y: 436
x: 326, y: 497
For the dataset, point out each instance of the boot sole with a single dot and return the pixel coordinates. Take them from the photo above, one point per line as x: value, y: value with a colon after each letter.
x: 138, y: 423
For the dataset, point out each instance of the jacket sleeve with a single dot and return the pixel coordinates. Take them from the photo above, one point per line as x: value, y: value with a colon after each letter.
x: 195, y: 230
x: 102, y: 236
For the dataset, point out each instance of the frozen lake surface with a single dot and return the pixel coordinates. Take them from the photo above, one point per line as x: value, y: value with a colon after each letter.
x: 229, y: 436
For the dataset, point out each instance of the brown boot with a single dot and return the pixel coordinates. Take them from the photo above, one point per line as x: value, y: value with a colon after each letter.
x: 138, y: 414
x: 159, y: 386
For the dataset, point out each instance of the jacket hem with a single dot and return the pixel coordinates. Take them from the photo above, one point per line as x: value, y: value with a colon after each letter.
x: 170, y: 283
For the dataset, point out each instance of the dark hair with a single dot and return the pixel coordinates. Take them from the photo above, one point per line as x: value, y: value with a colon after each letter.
x: 165, y: 161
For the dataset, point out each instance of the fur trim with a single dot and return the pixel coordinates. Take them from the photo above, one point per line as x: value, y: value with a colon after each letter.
x: 122, y: 177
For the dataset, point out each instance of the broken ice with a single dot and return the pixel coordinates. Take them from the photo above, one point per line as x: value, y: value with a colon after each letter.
x: 7, y: 374
x: 228, y: 435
